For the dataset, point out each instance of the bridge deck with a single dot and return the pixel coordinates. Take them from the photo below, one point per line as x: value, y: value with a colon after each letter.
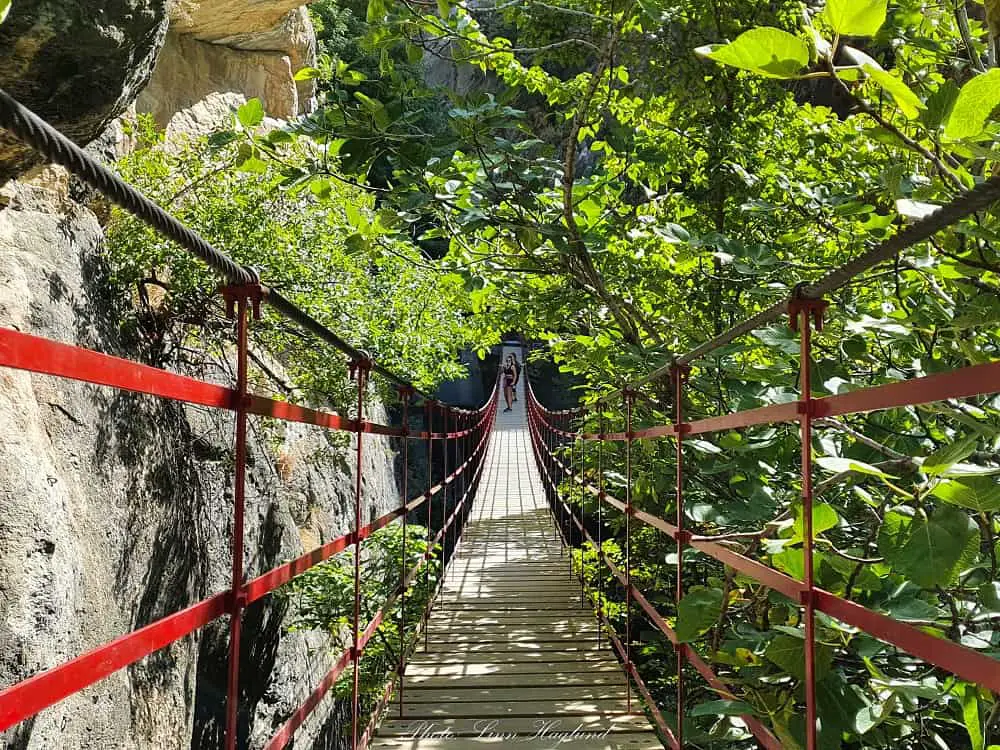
x: 512, y: 656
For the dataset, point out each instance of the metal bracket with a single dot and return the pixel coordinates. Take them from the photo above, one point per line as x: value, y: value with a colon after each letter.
x: 252, y: 293
x: 680, y: 372
x: 362, y: 364
x: 816, y: 308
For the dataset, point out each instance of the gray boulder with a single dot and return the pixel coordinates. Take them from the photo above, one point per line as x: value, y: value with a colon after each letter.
x: 77, y: 63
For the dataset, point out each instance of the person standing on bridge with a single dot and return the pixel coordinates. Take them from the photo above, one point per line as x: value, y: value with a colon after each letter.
x: 517, y: 374
x: 510, y: 373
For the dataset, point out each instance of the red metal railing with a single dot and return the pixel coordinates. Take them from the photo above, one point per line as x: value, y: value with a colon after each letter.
x: 548, y: 428
x: 34, y: 354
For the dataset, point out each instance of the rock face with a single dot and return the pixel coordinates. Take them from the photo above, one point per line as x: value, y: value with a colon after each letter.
x: 231, y: 48
x: 77, y: 63
x: 115, y: 510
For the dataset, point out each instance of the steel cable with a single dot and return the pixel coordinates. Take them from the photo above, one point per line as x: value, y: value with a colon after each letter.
x: 980, y: 197
x: 57, y: 148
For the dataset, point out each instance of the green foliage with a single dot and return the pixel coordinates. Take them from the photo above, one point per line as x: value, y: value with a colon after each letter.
x: 855, y: 17
x: 769, y: 52
x: 698, y: 611
x: 621, y: 198
x: 323, y: 599
x: 322, y: 243
x: 975, y: 103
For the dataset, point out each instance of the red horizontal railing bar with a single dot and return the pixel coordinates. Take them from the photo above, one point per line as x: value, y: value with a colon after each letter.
x: 776, y: 413
x: 762, y: 733
x: 764, y: 574
x: 945, y: 654
x: 25, y: 699
x: 287, y: 731
x: 976, y: 380
x: 22, y: 351
x: 648, y: 433
x: 661, y: 723
x: 272, y: 579
x: 267, y: 407
x: 941, y: 652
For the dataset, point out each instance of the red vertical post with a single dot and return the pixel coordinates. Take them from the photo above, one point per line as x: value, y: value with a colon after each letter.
x: 238, y: 299
x: 359, y: 371
x: 679, y: 374
x: 445, y: 530
x: 573, y: 470
x: 600, y: 517
x: 549, y: 438
x: 803, y: 314
x: 405, y: 394
x: 629, y: 402
x: 583, y: 502
x: 429, y: 409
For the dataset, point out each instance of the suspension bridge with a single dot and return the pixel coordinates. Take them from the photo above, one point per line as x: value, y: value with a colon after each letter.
x: 512, y: 648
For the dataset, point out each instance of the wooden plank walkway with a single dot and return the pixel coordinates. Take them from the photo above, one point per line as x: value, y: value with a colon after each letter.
x: 512, y: 656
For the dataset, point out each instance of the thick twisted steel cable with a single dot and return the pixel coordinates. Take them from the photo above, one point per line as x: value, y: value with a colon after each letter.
x: 980, y: 197
x: 56, y: 147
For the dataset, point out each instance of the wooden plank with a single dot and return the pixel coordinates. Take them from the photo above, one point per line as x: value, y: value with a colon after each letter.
x: 490, y: 709
x: 504, y: 678
x: 471, y: 693
x: 512, y: 654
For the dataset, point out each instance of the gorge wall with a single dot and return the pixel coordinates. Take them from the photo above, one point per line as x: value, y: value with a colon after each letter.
x: 115, y: 509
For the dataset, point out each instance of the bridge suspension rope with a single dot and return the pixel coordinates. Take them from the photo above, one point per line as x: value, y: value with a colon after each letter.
x: 57, y: 148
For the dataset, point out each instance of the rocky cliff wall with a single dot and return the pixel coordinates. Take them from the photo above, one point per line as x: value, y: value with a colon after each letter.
x: 116, y: 509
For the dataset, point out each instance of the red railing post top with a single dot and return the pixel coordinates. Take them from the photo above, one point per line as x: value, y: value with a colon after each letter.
x: 254, y: 293
x: 798, y: 304
x: 679, y: 372
x: 406, y: 392
x: 362, y: 364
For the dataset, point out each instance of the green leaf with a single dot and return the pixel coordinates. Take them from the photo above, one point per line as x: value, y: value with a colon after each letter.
x: 940, y: 105
x: 765, y: 50
x: 976, y: 102
x: 414, y: 54
x: 908, y: 102
x: 856, y: 17
x: 824, y: 518
x: 789, y: 653
x: 989, y: 595
x: 4, y: 9
x: 975, y: 493
x: 910, y: 610
x: 306, y: 74
x: 930, y: 551
x: 251, y: 114
x: 970, y: 713
x: 838, y: 465
x: 722, y: 708
x: 948, y: 455
x: 698, y: 611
